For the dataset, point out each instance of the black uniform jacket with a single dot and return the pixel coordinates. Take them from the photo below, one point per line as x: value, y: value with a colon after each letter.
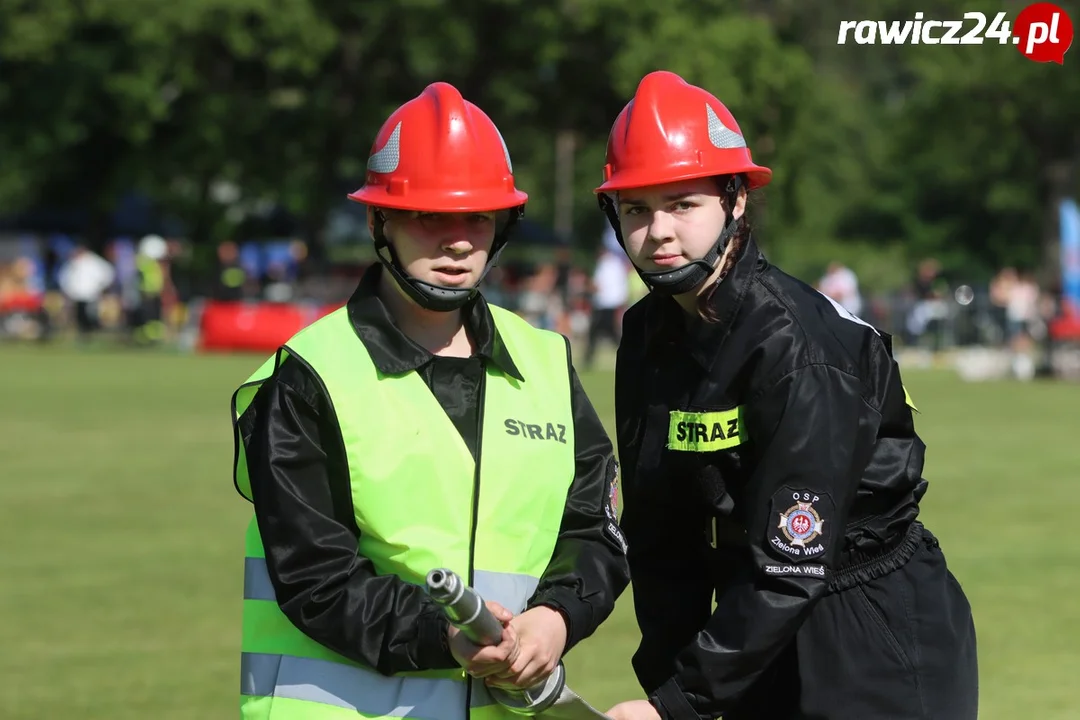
x: 303, y: 505
x: 761, y: 455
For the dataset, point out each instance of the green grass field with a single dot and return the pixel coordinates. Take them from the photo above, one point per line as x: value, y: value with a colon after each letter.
x: 122, y: 537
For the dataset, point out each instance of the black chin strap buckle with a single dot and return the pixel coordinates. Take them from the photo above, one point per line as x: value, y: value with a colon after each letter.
x: 607, y: 205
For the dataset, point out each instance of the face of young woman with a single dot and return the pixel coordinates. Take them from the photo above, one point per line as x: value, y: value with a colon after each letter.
x: 445, y: 249
x: 667, y: 226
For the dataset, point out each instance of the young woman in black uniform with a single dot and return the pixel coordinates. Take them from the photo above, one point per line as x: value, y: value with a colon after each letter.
x: 770, y: 460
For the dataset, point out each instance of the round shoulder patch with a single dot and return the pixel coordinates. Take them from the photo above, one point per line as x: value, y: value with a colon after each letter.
x: 800, y: 525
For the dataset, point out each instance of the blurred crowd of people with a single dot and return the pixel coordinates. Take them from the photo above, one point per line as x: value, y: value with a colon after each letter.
x: 70, y: 286
x: 146, y: 292
x: 1013, y: 314
x: 141, y: 291
x: 585, y: 305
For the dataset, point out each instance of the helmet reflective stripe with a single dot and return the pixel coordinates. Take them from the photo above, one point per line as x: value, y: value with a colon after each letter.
x: 386, y: 160
x: 722, y: 137
x: 506, y: 152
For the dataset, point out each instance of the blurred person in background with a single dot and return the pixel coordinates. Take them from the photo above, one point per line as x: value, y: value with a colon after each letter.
x: 611, y: 291
x: 1023, y: 322
x: 842, y: 285
x: 420, y: 427
x: 231, y: 276
x: 770, y: 460
x: 495, y: 288
x: 300, y: 258
x: 150, y: 266
x: 126, y: 285
x: 278, y: 286
x: 539, y: 302
x: 83, y: 279
x: 177, y: 291
x: 1051, y: 311
x: 20, y: 302
x: 53, y: 295
x: 564, y: 267
x: 578, y: 305
x: 1001, y: 287
x: 926, y: 322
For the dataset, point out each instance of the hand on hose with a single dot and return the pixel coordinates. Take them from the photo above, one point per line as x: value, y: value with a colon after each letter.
x: 481, y: 661
x: 633, y: 710
x: 542, y: 637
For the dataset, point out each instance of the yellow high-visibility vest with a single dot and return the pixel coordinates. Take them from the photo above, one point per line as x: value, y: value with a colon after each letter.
x: 420, y: 502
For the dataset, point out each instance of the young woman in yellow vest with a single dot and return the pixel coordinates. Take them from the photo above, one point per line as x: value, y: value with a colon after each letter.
x: 419, y: 427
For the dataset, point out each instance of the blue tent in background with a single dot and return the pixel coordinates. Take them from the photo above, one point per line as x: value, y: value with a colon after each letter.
x: 135, y: 214
x: 257, y: 256
x: 530, y: 232
x: 279, y: 252
x: 251, y: 258
x: 1070, y: 251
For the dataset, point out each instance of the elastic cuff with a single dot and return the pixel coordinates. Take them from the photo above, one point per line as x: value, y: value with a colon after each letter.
x: 671, y: 703
x: 576, y: 614
x: 434, y: 643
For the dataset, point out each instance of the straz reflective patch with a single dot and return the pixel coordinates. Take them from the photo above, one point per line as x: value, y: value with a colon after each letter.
x: 706, y: 431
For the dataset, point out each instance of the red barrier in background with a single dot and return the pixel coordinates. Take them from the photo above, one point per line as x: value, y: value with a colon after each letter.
x: 264, y: 327
x: 255, y: 327
x: 1066, y: 327
x: 20, y: 302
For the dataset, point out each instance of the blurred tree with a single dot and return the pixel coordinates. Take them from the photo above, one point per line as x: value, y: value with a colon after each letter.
x: 988, y: 139
x: 225, y: 109
x: 969, y: 144
x: 99, y: 97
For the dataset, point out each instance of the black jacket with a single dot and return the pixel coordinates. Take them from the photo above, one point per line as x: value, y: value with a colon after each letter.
x: 762, y: 455
x: 303, y: 504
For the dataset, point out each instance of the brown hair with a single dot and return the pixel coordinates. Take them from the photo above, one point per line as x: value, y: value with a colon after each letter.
x: 735, y: 247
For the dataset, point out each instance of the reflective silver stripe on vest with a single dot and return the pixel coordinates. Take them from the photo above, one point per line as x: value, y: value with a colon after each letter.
x: 509, y: 590
x: 257, y: 585
x: 365, y: 691
x: 353, y: 688
x: 513, y: 592
x: 480, y: 696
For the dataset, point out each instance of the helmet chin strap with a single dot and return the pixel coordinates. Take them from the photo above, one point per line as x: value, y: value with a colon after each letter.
x: 691, y: 275
x: 437, y: 298
x: 694, y: 273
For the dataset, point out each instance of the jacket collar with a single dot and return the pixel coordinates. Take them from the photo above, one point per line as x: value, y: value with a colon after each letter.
x: 699, y: 339
x: 394, y: 353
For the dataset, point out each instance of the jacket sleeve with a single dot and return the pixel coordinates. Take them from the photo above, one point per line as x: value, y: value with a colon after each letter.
x: 588, y: 569
x: 303, y: 506
x: 811, y: 435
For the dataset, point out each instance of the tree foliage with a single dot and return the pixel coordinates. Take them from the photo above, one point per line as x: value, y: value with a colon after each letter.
x: 221, y: 108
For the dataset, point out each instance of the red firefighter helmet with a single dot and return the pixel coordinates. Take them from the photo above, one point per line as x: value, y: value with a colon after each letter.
x: 439, y: 153
x: 672, y: 130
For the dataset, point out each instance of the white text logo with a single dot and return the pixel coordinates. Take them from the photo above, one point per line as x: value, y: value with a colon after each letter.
x: 1043, y: 31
